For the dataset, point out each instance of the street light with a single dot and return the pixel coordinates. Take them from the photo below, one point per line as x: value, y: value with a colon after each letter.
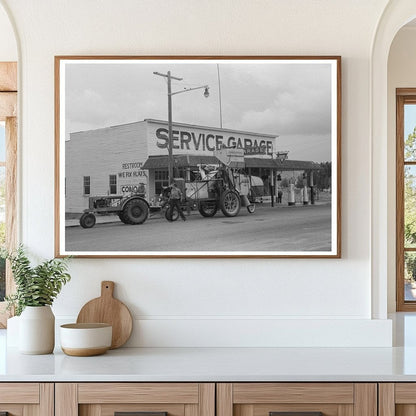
x: 170, y: 94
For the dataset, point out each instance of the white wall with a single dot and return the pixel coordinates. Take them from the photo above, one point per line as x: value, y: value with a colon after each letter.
x: 401, y: 74
x: 203, y: 302
x: 8, y: 46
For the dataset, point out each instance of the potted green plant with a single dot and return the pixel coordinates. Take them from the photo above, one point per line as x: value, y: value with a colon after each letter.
x: 36, y: 289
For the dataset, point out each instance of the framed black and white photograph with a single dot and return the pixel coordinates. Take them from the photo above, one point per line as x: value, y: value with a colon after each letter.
x: 198, y: 156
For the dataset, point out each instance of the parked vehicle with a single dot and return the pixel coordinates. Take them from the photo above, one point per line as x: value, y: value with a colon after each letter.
x: 131, y: 210
x: 220, y: 187
x: 216, y: 188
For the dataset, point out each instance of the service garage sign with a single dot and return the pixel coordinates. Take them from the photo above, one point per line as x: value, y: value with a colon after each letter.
x: 187, y: 139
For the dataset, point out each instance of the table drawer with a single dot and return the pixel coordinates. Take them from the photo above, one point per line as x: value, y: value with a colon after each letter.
x: 297, y: 399
x: 21, y: 399
x: 143, y: 399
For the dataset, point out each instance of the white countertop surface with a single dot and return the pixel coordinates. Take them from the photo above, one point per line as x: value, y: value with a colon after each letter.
x: 215, y: 364
x: 222, y: 364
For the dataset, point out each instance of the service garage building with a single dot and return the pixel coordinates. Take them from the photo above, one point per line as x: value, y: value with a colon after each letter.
x: 133, y: 157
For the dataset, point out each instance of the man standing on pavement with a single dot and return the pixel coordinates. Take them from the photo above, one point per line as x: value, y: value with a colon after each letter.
x: 175, y: 201
x: 279, y: 196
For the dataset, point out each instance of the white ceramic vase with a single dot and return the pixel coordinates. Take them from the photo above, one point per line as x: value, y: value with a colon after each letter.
x: 37, y: 330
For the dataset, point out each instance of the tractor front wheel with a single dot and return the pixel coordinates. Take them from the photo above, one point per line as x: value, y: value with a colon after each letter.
x: 87, y: 220
x: 135, y: 212
x: 230, y: 203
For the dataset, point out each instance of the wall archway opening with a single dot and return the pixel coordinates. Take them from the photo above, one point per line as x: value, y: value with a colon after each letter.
x: 396, y: 16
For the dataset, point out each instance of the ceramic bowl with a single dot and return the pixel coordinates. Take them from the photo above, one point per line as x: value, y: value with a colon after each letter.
x: 83, y: 340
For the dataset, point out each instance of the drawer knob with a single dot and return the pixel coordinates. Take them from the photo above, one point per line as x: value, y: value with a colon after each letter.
x: 295, y: 413
x: 139, y: 414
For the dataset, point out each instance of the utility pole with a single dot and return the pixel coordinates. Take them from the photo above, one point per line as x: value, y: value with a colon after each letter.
x: 169, y: 76
x: 170, y: 155
x: 219, y: 93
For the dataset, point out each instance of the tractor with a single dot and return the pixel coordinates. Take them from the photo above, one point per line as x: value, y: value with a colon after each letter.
x: 131, y: 210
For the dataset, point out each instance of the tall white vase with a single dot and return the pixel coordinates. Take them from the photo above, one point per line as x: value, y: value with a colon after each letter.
x: 37, y: 330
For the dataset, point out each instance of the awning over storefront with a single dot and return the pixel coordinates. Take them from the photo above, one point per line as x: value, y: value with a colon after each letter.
x: 180, y: 161
x: 257, y: 162
x: 184, y: 161
x: 296, y: 165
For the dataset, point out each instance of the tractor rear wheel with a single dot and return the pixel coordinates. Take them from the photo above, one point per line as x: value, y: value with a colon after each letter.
x: 230, y: 203
x: 207, y: 209
x: 135, y: 212
x: 87, y: 220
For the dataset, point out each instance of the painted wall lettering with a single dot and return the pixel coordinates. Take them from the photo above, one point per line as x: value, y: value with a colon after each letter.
x: 208, y: 142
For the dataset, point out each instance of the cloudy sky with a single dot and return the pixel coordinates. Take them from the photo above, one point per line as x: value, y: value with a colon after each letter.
x: 409, y: 119
x: 292, y: 101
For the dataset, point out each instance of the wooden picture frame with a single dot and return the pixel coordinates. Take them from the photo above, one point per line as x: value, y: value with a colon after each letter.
x: 405, y: 301
x: 264, y: 151
x: 8, y: 116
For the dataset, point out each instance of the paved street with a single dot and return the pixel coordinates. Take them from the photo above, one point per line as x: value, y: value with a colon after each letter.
x: 305, y: 228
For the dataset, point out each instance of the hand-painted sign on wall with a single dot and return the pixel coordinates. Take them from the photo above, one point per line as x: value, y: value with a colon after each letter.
x: 132, y: 170
x: 190, y: 140
x: 132, y: 179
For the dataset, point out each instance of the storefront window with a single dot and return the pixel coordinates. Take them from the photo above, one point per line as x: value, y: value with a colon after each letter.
x: 161, y: 180
x: 113, y: 184
x: 87, y: 185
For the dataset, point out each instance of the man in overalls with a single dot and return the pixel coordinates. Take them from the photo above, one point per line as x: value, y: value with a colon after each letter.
x: 175, y: 201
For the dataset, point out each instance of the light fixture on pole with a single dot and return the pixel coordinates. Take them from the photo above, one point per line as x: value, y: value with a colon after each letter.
x: 170, y: 94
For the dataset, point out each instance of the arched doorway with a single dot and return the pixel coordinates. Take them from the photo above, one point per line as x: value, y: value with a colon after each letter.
x: 396, y: 15
x: 401, y: 101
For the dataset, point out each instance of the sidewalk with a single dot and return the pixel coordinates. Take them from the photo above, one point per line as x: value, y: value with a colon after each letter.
x: 100, y: 219
x: 267, y: 201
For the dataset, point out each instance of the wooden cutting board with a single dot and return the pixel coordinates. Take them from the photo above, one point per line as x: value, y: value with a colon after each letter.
x: 107, y: 309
